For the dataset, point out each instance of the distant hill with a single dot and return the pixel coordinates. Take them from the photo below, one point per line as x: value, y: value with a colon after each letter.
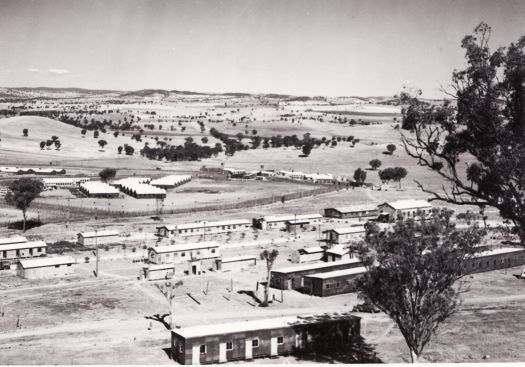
x: 29, y: 92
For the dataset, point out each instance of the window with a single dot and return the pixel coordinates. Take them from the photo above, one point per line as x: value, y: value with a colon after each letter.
x: 175, y: 254
x: 255, y: 343
x: 280, y: 340
x: 183, y: 254
x: 337, y: 285
x: 198, y: 252
x: 203, y: 349
x: 180, y: 348
x: 39, y: 249
x: 229, y: 346
x: 327, y: 286
x: 212, y: 250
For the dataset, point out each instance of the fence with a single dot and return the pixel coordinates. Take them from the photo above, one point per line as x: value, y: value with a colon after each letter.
x: 74, y: 213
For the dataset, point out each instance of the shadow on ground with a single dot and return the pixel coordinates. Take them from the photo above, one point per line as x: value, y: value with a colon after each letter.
x: 160, y: 318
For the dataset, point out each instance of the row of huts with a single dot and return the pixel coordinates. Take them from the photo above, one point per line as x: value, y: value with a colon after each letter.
x: 326, y: 278
x: 31, y: 259
x: 291, y: 222
x: 32, y: 170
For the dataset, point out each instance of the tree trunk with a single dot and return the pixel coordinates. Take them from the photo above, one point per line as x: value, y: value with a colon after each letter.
x: 24, y: 222
x: 413, y: 356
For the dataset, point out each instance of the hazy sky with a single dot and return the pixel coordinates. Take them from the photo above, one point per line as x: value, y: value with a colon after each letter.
x: 299, y: 47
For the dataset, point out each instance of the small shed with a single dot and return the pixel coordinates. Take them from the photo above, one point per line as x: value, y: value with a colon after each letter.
x: 297, y: 224
x: 344, y: 235
x: 235, y: 263
x: 292, y: 277
x: 158, y: 271
x: 47, y: 267
x: 97, y: 237
x: 333, y: 282
x: 307, y: 254
x: 337, y: 253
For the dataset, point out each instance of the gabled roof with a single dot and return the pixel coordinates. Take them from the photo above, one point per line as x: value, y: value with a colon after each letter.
x: 254, y: 325
x: 284, y: 218
x: 356, y: 208
x: 338, y: 250
x: 170, y: 180
x: 46, y: 261
x: 318, y: 265
x: 22, y: 245
x: 206, y: 224
x: 408, y: 204
x: 14, y: 239
x: 312, y: 250
x: 97, y: 187
x: 346, y: 230
x: 99, y: 234
x: 338, y: 273
x: 185, y: 247
x: 238, y: 258
x: 169, y: 227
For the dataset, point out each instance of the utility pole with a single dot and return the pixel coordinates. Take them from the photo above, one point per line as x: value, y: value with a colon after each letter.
x: 68, y: 212
x: 295, y: 226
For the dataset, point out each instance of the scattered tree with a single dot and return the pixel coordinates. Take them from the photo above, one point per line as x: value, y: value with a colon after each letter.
x: 375, y: 164
x: 21, y: 193
x: 25, y: 132
x: 391, y: 148
x: 129, y: 149
x: 168, y: 291
x: 120, y: 149
x: 58, y: 144
x: 307, y: 149
x: 102, y: 143
x: 107, y: 174
x: 42, y: 145
x: 270, y: 257
x: 415, y: 273
x: 359, y: 176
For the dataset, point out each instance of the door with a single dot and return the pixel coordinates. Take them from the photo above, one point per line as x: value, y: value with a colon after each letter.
x: 222, y: 352
x: 273, y: 346
x: 249, y: 354
x: 194, y: 269
x: 195, y: 355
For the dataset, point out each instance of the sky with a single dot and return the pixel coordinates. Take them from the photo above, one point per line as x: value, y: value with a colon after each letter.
x: 299, y: 47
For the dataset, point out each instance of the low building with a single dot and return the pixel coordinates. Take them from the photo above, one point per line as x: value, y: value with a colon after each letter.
x: 177, y: 254
x: 158, y: 271
x: 270, y: 337
x: 51, y: 183
x: 366, y: 211
x: 501, y: 258
x: 292, y: 277
x: 20, y: 250
x: 142, y: 190
x: 404, y: 208
x: 332, y: 282
x: 97, y: 238
x: 279, y: 221
x: 319, y: 178
x: 308, y: 254
x: 296, y: 225
x: 235, y: 263
x: 344, y: 235
x: 171, y: 181
x: 97, y: 189
x: 337, y: 253
x: 204, y: 228
x: 48, y: 267
x: 32, y: 170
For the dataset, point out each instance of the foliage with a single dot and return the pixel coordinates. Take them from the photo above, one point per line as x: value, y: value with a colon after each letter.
x: 485, y: 132
x: 102, y: 143
x: 168, y: 291
x: 395, y: 174
x: 21, y: 193
x: 412, y: 270
x: 360, y: 176
x: 375, y: 164
x: 270, y: 257
x: 107, y: 174
x: 391, y: 148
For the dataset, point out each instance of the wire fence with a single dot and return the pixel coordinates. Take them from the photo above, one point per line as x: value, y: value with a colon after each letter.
x: 61, y: 213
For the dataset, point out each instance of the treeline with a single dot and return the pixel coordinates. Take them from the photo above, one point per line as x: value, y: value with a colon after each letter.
x: 94, y: 124
x: 234, y: 143
x: 190, y: 151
